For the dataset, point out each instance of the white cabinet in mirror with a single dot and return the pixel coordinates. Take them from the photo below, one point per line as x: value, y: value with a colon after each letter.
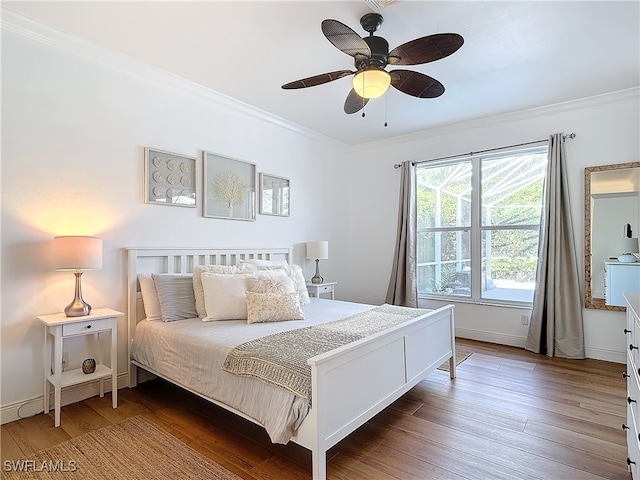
x: 620, y: 278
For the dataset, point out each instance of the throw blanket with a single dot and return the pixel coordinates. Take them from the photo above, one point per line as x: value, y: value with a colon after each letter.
x: 281, y: 359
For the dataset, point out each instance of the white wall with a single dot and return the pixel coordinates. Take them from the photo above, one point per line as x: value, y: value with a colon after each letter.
x: 607, y: 129
x: 73, y: 132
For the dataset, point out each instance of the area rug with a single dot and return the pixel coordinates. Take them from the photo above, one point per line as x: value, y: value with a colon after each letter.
x: 133, y: 449
x: 461, y: 356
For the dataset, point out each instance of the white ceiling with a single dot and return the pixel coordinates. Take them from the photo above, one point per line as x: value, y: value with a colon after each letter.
x: 517, y: 55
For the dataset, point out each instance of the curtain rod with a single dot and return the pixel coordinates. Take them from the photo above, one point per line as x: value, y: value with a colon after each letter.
x: 564, y: 137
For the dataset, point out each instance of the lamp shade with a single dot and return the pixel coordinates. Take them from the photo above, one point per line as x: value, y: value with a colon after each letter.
x: 77, y: 253
x: 318, y: 250
x: 628, y: 245
x: 371, y: 83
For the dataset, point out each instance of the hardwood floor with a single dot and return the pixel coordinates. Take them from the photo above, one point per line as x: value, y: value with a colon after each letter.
x: 508, y: 414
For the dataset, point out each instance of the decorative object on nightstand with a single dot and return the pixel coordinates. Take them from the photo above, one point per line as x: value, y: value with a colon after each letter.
x: 77, y: 253
x: 89, y: 366
x: 317, y: 251
x: 317, y: 289
x: 59, y: 327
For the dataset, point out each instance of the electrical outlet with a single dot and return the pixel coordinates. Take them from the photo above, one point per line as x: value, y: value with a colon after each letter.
x: 524, y: 319
x: 65, y: 361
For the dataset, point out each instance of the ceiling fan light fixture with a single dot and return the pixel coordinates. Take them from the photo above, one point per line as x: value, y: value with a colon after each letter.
x: 371, y: 83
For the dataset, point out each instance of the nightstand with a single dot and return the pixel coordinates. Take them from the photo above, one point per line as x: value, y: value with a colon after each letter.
x: 317, y: 289
x: 57, y: 327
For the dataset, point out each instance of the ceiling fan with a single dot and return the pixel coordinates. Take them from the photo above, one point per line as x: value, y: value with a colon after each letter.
x: 371, y: 55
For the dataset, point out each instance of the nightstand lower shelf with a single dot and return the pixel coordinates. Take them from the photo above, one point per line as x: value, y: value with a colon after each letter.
x: 76, y: 376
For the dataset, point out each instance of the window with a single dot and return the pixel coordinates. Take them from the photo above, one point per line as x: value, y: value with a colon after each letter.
x: 478, y: 225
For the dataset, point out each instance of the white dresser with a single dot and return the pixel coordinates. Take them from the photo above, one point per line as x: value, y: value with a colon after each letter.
x: 632, y: 427
x: 620, y: 278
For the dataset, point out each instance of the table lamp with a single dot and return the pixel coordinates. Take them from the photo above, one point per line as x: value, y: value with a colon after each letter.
x: 319, y: 251
x: 77, y: 253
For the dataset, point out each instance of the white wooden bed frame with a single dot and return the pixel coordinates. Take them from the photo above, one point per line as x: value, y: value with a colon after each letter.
x: 350, y: 384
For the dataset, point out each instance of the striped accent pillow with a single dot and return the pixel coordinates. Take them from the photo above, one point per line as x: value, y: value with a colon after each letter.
x: 175, y: 294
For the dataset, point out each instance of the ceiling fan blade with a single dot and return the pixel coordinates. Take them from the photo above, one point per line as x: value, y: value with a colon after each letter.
x: 354, y: 102
x: 416, y: 84
x: 344, y: 38
x: 317, y: 79
x: 426, y: 49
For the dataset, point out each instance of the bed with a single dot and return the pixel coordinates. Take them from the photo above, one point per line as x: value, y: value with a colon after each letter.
x: 349, y: 384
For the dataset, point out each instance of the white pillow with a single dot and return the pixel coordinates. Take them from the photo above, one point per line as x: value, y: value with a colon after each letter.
x: 269, y: 307
x: 271, y: 281
x: 149, y: 297
x: 294, y: 271
x: 225, y: 296
x: 197, y: 283
x: 265, y: 264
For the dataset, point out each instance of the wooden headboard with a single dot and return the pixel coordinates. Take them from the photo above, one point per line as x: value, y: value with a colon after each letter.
x: 181, y: 260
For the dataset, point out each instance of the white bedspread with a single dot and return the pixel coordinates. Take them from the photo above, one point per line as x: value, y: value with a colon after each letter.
x: 191, y: 353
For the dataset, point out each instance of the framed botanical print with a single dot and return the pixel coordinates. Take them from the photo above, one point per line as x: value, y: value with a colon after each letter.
x: 229, y: 188
x: 170, y: 178
x: 274, y: 195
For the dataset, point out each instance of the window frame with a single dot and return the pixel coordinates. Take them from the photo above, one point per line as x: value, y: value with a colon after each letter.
x: 477, y: 231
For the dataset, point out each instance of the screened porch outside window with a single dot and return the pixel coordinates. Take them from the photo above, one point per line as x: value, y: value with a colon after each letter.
x: 478, y: 226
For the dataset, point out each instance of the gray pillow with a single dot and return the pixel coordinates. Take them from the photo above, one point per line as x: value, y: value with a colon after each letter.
x: 176, y: 297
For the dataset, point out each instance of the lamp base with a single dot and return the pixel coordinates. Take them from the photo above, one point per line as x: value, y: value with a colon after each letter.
x: 317, y: 278
x: 78, y: 307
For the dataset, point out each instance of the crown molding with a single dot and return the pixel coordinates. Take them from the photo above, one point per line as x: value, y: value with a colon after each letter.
x: 619, y: 96
x: 35, y: 31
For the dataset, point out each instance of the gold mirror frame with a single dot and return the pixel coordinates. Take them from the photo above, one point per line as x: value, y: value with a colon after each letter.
x: 589, y: 302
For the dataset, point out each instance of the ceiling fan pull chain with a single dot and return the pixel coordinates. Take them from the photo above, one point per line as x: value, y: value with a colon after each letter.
x: 386, y: 102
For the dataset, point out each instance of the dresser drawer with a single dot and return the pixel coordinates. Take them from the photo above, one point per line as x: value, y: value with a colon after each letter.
x: 633, y: 347
x: 324, y: 289
x: 633, y: 443
x: 633, y: 396
x: 85, y: 327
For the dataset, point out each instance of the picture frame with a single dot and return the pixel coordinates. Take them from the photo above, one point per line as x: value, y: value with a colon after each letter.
x: 275, y: 195
x: 229, y: 188
x: 169, y: 178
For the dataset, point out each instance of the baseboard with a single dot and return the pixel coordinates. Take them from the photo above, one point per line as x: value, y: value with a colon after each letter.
x: 606, y: 355
x: 76, y: 393
x: 516, y: 341
x: 491, y: 337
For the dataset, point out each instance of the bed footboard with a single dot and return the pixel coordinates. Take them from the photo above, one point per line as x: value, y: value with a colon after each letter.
x: 353, y: 383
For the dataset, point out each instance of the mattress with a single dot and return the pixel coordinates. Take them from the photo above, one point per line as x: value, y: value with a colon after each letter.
x: 191, y: 353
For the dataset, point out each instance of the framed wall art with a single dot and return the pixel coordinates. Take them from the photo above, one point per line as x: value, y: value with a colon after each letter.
x: 229, y: 188
x: 169, y: 179
x: 274, y: 195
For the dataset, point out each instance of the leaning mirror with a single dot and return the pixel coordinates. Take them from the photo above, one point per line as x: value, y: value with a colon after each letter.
x: 612, y: 228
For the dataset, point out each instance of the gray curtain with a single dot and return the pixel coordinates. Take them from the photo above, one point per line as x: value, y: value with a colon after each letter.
x: 556, y: 327
x: 403, y: 288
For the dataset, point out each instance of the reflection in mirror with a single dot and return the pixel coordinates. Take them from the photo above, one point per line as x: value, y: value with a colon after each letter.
x: 612, y: 228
